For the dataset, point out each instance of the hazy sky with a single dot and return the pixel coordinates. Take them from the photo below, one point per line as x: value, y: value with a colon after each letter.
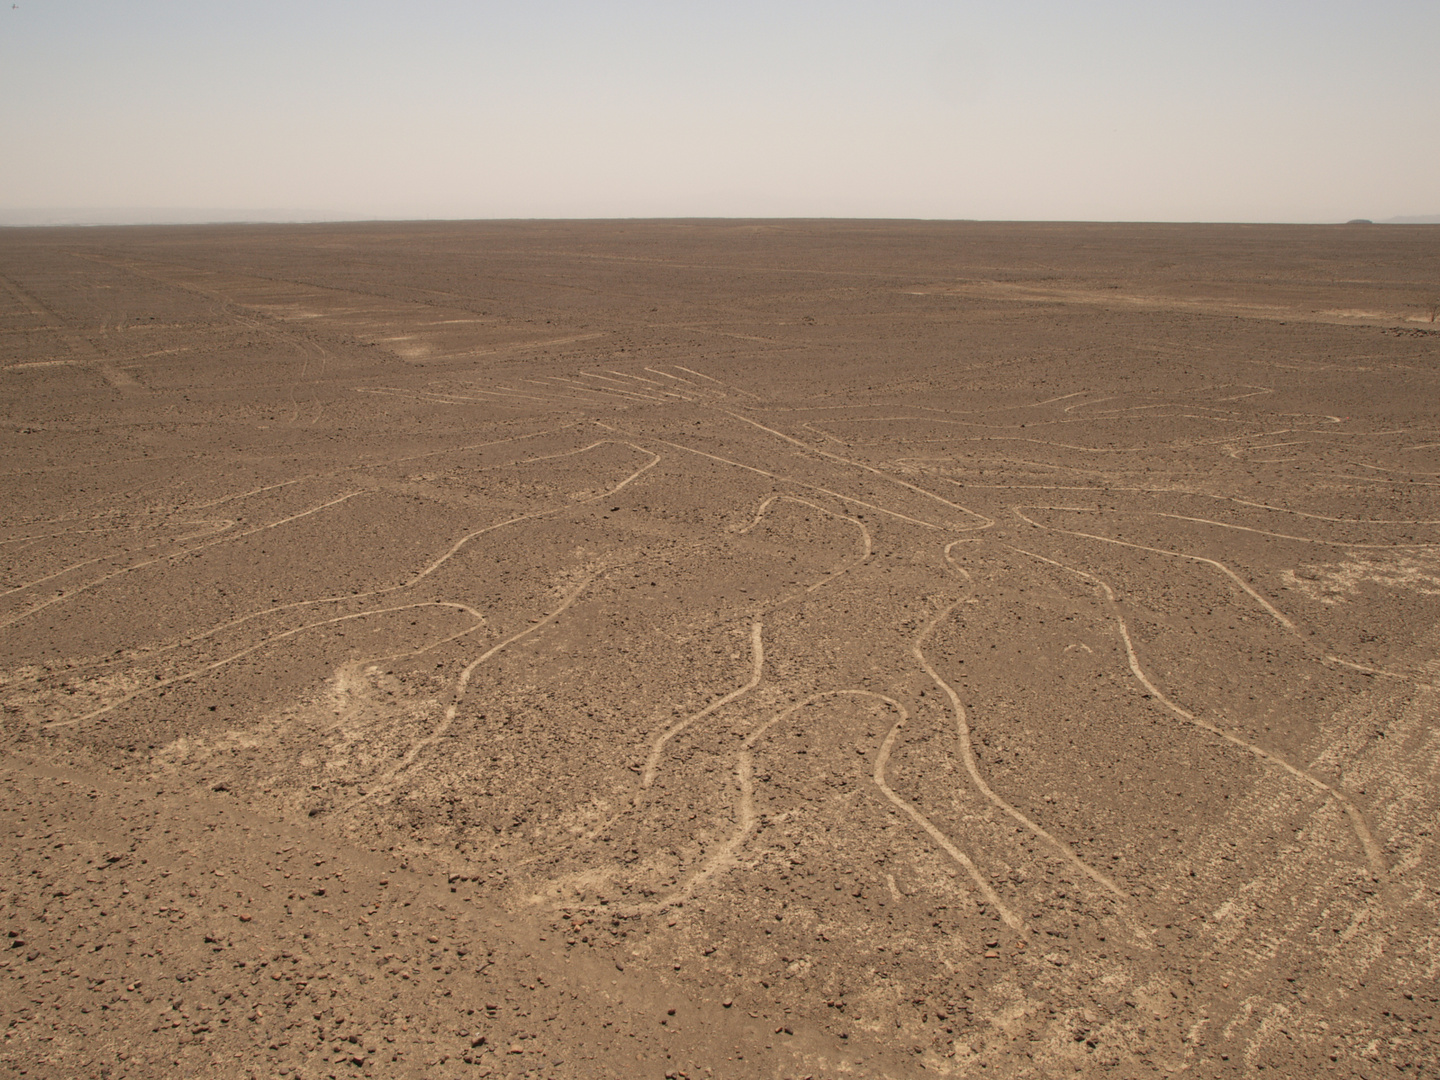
x: 1263, y: 110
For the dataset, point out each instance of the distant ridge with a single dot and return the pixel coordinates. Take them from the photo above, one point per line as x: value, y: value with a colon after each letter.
x: 1418, y: 219
x: 94, y: 215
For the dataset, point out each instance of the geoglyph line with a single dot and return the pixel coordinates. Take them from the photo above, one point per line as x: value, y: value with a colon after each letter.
x: 864, y: 533
x: 214, y: 664
x: 1244, y: 585
x: 72, y: 593
x: 746, y: 810
x: 788, y: 480
x: 1373, y: 852
x: 657, y: 747
x: 462, y: 683
x: 967, y: 755
x: 434, y: 565
x: 218, y: 528
x: 987, y: 522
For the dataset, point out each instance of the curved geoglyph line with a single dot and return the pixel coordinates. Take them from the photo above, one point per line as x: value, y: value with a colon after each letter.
x: 746, y: 812
x: 436, y: 563
x: 462, y: 683
x: 653, y: 761
x: 72, y: 593
x: 217, y: 527
x: 430, y: 569
x: 657, y: 747
x: 757, y: 652
x: 205, y: 669
x: 864, y: 533
x: 986, y: 522
x: 967, y: 756
x: 1373, y: 852
x: 1245, y: 586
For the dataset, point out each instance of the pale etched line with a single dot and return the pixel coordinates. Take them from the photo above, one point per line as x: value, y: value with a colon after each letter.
x: 789, y: 480
x: 510, y: 391
x: 1378, y: 480
x: 623, y: 395
x: 1256, y: 392
x: 1268, y: 446
x: 638, y: 378
x: 967, y: 755
x: 468, y: 537
x: 161, y: 684
x: 1382, y: 468
x: 987, y: 522
x: 592, y: 400
x: 647, y: 396
x: 1180, y: 491
x: 717, y: 382
x: 864, y: 534
x: 1373, y: 852
x: 1291, y: 536
x: 461, y: 684
x: 1183, y: 443
x: 1087, y: 404
x: 628, y: 394
x: 454, y: 548
x: 1250, y: 529
x: 221, y: 527
x: 677, y: 378
x: 435, y: 396
x: 404, y: 585
x: 369, y: 465
x: 70, y: 595
x: 652, y: 382
x: 1273, y: 611
x: 881, y: 761
x: 745, y: 818
x: 657, y: 747
x: 1244, y: 585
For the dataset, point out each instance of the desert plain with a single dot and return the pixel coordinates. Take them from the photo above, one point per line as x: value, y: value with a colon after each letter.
x: 720, y: 649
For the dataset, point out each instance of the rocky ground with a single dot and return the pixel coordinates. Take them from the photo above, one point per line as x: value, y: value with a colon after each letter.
x: 720, y: 649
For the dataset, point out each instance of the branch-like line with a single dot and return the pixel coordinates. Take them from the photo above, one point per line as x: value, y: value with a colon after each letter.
x: 657, y: 747
x: 864, y: 533
x: 1373, y: 852
x: 205, y: 668
x: 652, y: 764
x: 1244, y: 585
x: 462, y: 683
x: 986, y: 522
x: 437, y: 563
x: 454, y: 548
x: 967, y: 755
x: 788, y: 480
x: 217, y: 527
x: 70, y: 595
x: 1250, y: 529
x: 745, y: 771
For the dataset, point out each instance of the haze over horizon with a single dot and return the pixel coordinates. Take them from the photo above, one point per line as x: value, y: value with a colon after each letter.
x: 1043, y: 111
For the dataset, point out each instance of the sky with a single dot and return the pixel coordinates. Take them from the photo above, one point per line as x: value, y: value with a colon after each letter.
x: 1263, y: 110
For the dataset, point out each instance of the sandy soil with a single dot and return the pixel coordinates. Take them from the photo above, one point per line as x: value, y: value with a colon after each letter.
x: 720, y: 650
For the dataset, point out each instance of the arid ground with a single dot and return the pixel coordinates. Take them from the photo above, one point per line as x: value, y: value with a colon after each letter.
x: 720, y: 649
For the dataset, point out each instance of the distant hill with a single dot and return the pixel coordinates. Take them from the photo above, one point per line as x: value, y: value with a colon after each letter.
x: 159, y: 216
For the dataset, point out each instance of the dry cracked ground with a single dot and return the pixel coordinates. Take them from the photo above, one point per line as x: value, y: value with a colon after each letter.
x: 720, y: 649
